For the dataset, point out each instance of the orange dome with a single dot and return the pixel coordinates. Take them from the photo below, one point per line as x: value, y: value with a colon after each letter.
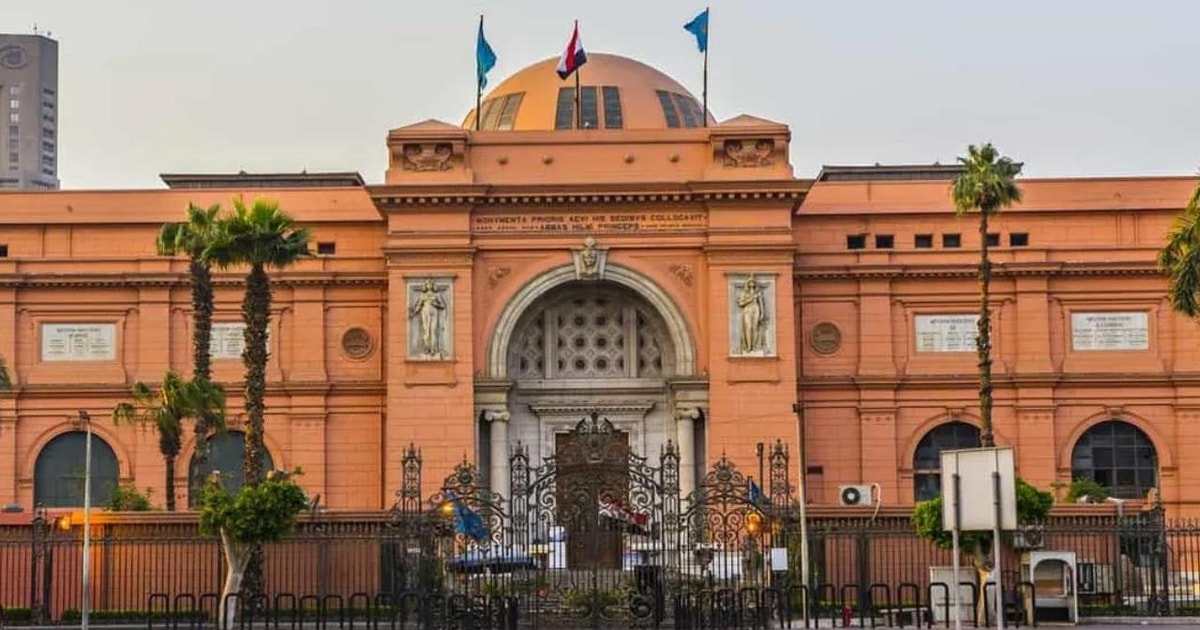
x: 616, y: 93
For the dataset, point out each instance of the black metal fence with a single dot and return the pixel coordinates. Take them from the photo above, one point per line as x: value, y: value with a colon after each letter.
x: 1137, y: 565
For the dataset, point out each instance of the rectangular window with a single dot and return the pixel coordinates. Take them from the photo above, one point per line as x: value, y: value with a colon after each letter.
x: 885, y: 241
x: 509, y: 113
x: 856, y: 241
x: 1018, y: 239
x: 923, y: 241
x: 327, y: 248
x: 15, y: 90
x: 47, y: 146
x: 672, y: 116
x: 612, y: 107
x: 689, y: 116
x: 589, y: 107
x: 491, y: 112
x: 564, y: 110
x: 952, y: 240
x: 48, y: 160
x: 13, y: 157
x: 993, y: 240
x: 47, y: 133
x: 14, y: 118
x: 14, y: 103
x: 3, y: 250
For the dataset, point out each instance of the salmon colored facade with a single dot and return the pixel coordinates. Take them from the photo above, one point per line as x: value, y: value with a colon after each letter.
x: 676, y: 278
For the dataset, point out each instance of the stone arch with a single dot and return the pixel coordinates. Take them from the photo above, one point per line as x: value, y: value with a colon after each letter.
x: 195, y: 472
x: 951, y: 433
x: 914, y: 439
x: 1166, y: 459
x: 677, y: 327
x: 54, y: 484
x: 101, y: 430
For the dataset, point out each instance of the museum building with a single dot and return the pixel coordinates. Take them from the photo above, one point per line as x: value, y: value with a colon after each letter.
x: 632, y: 257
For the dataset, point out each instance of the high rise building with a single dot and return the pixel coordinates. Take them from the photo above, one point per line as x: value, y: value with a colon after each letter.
x: 29, y: 111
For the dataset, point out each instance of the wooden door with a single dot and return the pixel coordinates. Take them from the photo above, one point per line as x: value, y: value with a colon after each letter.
x: 588, y: 471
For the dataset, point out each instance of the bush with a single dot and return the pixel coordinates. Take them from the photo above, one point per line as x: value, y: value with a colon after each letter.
x: 126, y: 498
x: 11, y: 615
x: 1082, y: 487
x: 74, y: 615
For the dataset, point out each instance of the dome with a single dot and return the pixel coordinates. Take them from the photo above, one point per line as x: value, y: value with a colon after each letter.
x: 615, y: 93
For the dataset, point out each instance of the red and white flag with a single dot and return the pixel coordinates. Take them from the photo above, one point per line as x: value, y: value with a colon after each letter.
x: 615, y: 509
x: 573, y: 57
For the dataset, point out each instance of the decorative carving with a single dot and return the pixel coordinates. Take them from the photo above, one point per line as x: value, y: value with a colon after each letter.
x: 427, y: 157
x: 749, y: 153
x: 825, y: 338
x: 496, y: 274
x: 357, y: 343
x: 689, y: 413
x: 430, y: 315
x: 496, y: 415
x: 752, y: 327
x: 683, y: 271
x: 589, y: 261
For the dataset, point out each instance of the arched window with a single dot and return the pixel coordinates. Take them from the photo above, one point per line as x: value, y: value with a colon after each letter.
x: 1119, y: 457
x: 225, y: 454
x: 927, y: 461
x: 58, y: 473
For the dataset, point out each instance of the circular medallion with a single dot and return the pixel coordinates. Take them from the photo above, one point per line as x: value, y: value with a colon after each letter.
x: 13, y: 57
x: 357, y: 343
x: 825, y: 338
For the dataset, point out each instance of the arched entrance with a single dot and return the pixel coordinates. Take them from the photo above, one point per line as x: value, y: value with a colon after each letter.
x: 565, y: 347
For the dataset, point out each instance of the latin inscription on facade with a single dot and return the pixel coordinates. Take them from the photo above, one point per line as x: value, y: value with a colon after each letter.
x: 593, y: 223
x: 1110, y: 331
x: 946, y: 333
x: 79, y: 342
x: 229, y: 338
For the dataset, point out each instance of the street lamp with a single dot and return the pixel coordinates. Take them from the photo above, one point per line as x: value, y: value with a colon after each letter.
x: 85, y: 604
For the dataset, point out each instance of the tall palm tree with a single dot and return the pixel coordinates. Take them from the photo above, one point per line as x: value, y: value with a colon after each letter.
x: 175, y: 400
x: 190, y: 237
x: 258, y: 236
x: 986, y: 185
x: 1180, y: 259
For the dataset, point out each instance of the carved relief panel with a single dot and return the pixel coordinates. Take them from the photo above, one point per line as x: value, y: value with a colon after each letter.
x: 751, y: 315
x: 430, y: 319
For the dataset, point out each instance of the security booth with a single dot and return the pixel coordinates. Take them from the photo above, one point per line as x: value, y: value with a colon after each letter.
x: 1053, y: 574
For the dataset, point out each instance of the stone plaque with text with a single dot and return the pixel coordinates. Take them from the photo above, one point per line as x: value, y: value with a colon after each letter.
x: 79, y: 342
x: 1110, y: 331
x: 587, y: 222
x: 229, y: 338
x: 946, y: 333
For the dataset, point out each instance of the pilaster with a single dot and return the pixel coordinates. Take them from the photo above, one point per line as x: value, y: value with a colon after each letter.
x: 153, y: 334
x: 879, y: 447
x: 308, y: 334
x: 308, y: 421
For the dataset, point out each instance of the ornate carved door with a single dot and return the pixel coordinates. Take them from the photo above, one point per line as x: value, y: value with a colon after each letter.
x: 592, y: 492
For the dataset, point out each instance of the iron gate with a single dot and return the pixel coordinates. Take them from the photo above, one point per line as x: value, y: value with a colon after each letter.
x: 594, y: 536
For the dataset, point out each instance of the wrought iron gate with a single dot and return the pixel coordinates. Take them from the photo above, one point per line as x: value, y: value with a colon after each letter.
x: 595, y: 536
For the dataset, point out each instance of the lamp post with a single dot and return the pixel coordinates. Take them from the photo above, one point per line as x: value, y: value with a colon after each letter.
x: 798, y: 409
x: 85, y: 601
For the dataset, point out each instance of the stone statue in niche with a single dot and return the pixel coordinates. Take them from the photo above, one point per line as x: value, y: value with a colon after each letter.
x: 589, y: 261
x: 751, y: 305
x: 428, y: 306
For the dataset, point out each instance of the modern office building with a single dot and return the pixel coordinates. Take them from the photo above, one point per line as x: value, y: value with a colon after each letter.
x: 29, y: 112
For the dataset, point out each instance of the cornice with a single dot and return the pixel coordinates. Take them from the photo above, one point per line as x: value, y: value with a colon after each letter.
x: 50, y: 391
x: 126, y: 280
x: 967, y: 381
x: 556, y: 195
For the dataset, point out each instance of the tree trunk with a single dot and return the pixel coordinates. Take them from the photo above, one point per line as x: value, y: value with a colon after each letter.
x: 256, y: 311
x: 236, y: 557
x: 982, y: 562
x: 170, y: 461
x: 983, y: 340
x: 202, y: 311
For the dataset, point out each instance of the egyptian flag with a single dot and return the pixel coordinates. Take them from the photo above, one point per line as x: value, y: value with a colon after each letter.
x: 615, y: 511
x: 573, y: 57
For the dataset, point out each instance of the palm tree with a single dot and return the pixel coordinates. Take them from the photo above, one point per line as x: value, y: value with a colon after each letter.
x: 175, y: 400
x: 5, y: 381
x: 986, y: 185
x: 190, y: 237
x: 1180, y: 259
x: 259, y: 236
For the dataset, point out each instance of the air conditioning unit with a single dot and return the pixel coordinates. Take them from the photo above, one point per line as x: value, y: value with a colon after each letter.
x: 852, y: 496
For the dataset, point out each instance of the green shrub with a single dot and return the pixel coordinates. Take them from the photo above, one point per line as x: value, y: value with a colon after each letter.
x: 74, y: 615
x: 126, y: 498
x: 1082, y: 487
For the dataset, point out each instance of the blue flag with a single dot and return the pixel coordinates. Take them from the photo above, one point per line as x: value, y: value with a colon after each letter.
x: 467, y: 522
x: 754, y: 494
x: 485, y: 57
x: 699, y: 27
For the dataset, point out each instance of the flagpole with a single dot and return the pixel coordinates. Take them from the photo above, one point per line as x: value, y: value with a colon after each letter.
x: 704, y: 89
x: 478, y: 86
x: 578, y: 71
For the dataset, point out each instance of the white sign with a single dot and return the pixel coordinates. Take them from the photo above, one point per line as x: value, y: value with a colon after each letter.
x: 229, y: 338
x: 976, y: 497
x: 1110, y: 331
x: 79, y: 342
x: 946, y: 333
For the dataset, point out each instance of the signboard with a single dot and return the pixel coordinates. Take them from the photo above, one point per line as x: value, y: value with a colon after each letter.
x: 79, y: 342
x: 591, y: 223
x: 228, y: 339
x: 977, y: 510
x: 1110, y: 331
x: 946, y: 333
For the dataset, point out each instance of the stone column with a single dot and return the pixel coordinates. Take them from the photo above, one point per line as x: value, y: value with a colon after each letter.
x: 499, y: 474
x: 685, y: 437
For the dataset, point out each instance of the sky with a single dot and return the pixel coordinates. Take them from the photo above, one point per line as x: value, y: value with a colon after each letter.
x: 1070, y: 87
